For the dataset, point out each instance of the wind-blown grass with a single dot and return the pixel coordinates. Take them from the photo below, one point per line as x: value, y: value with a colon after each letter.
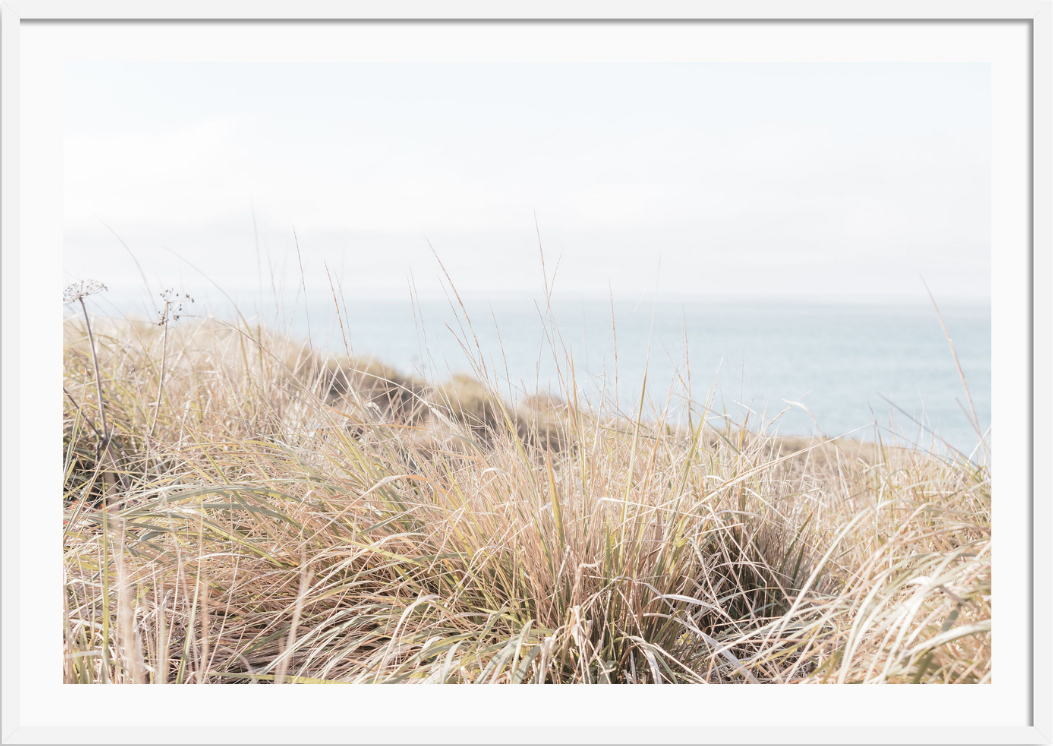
x: 286, y: 517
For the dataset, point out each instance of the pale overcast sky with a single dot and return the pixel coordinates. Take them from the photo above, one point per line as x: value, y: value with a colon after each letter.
x: 802, y: 181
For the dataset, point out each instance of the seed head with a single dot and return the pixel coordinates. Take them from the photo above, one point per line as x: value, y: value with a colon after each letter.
x: 81, y: 289
x: 173, y: 305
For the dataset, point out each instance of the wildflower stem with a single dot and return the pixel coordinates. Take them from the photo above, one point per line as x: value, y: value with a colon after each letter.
x: 98, y: 379
x: 161, y: 378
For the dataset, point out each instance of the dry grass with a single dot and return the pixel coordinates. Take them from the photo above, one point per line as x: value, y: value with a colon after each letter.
x: 288, y: 517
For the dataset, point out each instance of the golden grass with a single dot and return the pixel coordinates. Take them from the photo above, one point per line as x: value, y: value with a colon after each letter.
x: 288, y: 517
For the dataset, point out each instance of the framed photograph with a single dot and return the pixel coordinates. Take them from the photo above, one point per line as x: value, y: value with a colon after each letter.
x: 703, y: 344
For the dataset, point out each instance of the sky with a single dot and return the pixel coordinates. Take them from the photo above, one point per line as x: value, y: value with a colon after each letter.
x: 800, y: 182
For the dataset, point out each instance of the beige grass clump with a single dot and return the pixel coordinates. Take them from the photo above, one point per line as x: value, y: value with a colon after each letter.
x: 258, y: 530
x: 392, y: 396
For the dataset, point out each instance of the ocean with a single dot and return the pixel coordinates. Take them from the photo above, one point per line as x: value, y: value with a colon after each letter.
x: 865, y: 370
x: 862, y: 370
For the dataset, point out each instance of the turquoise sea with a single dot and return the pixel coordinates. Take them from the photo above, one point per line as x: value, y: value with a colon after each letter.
x: 867, y: 370
x: 849, y: 367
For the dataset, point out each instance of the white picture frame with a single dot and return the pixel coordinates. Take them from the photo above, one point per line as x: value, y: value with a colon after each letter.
x: 488, y: 716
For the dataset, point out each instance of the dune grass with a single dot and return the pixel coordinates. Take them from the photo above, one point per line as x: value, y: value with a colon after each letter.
x: 258, y: 512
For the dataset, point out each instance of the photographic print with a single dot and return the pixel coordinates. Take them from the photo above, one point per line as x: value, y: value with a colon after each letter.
x: 583, y: 372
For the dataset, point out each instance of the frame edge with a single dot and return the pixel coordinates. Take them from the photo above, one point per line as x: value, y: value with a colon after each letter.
x: 9, y: 333
x: 1042, y: 395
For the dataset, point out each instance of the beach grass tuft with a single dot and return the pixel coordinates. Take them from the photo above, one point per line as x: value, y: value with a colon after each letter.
x: 239, y: 508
